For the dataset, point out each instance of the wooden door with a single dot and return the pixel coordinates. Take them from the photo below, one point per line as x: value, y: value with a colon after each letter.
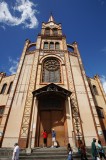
x: 49, y: 120
x: 58, y: 124
x: 45, y: 124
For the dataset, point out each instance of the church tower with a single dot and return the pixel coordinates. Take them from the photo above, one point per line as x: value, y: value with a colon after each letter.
x: 50, y: 90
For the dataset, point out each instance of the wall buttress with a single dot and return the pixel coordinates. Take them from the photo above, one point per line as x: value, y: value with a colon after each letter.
x: 26, y: 120
x: 74, y: 105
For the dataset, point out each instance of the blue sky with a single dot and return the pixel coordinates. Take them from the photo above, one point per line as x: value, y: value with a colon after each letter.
x: 83, y: 21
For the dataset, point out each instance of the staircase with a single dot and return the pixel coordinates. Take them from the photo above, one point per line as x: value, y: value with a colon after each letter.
x: 39, y: 154
x: 46, y: 153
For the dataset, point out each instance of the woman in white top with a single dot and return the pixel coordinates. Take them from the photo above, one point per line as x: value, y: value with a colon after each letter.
x: 69, y: 150
x: 16, y: 152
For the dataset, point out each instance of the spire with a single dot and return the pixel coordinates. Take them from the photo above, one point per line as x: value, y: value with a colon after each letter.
x: 51, y: 19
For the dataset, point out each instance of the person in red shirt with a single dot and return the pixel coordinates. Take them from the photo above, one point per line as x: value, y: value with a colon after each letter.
x: 44, y: 138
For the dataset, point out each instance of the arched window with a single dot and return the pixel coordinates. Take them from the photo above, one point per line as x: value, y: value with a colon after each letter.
x: 57, y: 45
x: 95, y: 90
x: 51, y: 45
x: 10, y: 86
x: 1, y: 112
x: 55, y: 31
x: 45, y: 45
x: 3, y: 88
x: 100, y: 112
x: 51, y: 70
x: 47, y: 31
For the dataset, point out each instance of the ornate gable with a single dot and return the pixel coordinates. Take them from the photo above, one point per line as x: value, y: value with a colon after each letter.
x: 51, y: 89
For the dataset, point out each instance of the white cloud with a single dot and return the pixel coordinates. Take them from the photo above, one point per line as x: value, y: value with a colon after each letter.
x: 13, y: 64
x: 103, y: 80
x: 25, y: 11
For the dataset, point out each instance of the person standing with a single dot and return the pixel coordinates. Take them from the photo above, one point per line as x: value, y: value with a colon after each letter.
x: 94, y: 149
x: 44, y: 138
x: 101, y: 150
x: 16, y: 152
x: 82, y: 150
x: 53, y: 137
x: 69, y: 150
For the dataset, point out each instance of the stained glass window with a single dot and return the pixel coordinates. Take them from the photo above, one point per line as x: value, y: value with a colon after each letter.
x: 51, y: 70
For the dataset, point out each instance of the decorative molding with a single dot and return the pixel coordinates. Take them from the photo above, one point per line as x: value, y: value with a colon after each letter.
x: 51, y: 89
x: 25, y: 126
x: 74, y: 104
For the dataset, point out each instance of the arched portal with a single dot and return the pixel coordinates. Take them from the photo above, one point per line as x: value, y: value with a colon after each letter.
x: 51, y: 113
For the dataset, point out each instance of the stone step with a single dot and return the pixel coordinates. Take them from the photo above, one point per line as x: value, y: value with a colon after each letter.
x: 39, y: 157
x: 40, y: 154
x: 55, y: 158
x: 44, y: 153
x: 49, y: 149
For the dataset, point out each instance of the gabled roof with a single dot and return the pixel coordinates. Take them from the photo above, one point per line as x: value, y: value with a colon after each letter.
x: 51, y: 89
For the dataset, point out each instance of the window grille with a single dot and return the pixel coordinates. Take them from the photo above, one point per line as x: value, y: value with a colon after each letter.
x: 51, y: 71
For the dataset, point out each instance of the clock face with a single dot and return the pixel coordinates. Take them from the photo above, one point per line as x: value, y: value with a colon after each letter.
x: 51, y: 24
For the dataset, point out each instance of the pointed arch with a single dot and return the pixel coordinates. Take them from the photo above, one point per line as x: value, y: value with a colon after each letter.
x: 51, y: 55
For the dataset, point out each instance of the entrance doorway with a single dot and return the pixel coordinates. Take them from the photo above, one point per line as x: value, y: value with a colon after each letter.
x: 51, y: 116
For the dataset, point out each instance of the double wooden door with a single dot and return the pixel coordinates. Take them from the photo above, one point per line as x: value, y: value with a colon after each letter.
x: 52, y: 119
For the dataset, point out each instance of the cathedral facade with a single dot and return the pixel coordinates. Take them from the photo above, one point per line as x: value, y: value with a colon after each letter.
x: 50, y: 90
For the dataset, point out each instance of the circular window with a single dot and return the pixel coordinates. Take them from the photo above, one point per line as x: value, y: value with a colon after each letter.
x: 51, y: 65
